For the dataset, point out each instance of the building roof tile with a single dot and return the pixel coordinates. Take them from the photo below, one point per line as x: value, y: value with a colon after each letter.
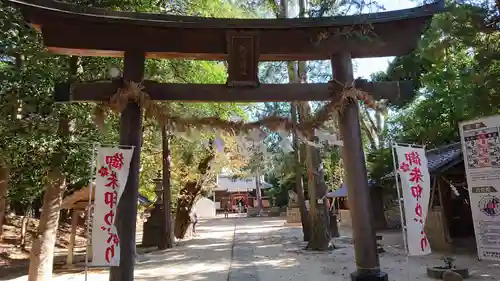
x: 439, y: 158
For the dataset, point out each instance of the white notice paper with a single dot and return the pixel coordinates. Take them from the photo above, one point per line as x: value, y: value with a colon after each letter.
x: 481, y: 151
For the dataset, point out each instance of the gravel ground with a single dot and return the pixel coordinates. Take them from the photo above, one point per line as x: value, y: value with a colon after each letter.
x: 264, y: 249
x: 280, y: 256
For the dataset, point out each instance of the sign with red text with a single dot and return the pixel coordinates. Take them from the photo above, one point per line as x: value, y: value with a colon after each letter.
x: 113, y: 166
x: 481, y: 152
x: 415, y: 184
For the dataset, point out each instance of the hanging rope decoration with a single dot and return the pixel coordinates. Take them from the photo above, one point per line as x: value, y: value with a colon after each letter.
x: 134, y: 92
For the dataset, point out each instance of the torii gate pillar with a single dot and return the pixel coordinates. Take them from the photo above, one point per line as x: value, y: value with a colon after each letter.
x: 365, y: 245
x: 130, y: 134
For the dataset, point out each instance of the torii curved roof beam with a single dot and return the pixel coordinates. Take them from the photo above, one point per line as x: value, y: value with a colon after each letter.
x: 75, y: 30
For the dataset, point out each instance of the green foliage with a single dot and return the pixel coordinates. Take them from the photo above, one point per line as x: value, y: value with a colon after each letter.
x: 333, y: 167
x: 456, y: 70
x: 279, y: 191
x: 456, y: 83
x: 380, y: 163
x: 29, y: 117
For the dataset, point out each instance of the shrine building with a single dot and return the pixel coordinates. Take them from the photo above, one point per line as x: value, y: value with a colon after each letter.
x: 229, y: 192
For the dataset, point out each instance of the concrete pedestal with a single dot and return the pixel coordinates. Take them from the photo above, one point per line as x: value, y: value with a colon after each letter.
x: 252, y: 212
x: 293, y: 215
x: 345, y: 218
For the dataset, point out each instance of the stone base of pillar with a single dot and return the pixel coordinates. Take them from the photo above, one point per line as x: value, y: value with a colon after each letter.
x: 379, y: 276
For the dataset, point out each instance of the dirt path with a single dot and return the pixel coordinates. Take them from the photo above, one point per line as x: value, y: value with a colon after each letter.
x: 206, y: 257
x: 263, y: 249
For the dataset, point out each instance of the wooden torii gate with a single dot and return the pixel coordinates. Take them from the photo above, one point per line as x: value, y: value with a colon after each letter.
x: 82, y: 31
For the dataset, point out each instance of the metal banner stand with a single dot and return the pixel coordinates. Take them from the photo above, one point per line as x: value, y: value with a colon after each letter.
x: 401, y: 200
x: 90, y: 204
x: 89, y: 208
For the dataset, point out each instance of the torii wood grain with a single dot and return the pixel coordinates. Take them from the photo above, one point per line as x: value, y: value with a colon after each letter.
x: 73, y: 30
x: 99, y: 91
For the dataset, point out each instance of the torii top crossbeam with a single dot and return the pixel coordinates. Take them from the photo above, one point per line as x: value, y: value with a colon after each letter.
x: 74, y: 30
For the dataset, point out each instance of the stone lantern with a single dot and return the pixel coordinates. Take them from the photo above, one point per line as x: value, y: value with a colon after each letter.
x: 153, y: 227
x: 158, y: 190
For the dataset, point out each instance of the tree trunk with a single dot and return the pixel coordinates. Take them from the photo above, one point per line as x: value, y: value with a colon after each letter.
x: 184, y: 206
x: 299, y: 184
x: 4, y: 184
x: 320, y: 219
x: 334, y: 226
x: 168, y: 240
x: 294, y: 77
x: 320, y: 234
x: 75, y: 215
x: 24, y: 228
x: 42, y: 251
x: 321, y: 191
x: 186, y: 199
x: 258, y: 192
x: 320, y: 238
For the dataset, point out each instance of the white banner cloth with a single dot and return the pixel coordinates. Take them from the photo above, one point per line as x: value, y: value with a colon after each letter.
x: 415, y: 184
x: 113, y: 166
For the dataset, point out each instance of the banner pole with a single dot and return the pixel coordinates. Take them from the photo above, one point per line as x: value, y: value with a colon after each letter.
x: 401, y: 212
x: 400, y: 198
x: 89, y: 209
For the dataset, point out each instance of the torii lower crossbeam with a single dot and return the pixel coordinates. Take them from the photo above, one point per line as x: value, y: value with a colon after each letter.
x: 99, y: 91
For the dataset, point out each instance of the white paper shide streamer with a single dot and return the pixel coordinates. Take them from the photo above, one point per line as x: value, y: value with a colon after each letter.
x: 285, y: 143
x: 324, y: 136
x: 113, y: 166
x: 415, y: 184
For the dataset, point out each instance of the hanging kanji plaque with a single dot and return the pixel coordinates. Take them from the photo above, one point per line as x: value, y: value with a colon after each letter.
x: 243, y: 58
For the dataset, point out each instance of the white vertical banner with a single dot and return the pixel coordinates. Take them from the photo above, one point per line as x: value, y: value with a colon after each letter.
x: 113, y: 164
x: 481, y: 150
x: 415, y: 186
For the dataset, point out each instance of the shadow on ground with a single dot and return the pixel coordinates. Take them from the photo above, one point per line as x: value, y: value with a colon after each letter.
x: 254, y: 249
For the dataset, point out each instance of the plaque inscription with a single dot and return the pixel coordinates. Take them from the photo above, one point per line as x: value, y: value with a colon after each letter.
x: 243, y: 59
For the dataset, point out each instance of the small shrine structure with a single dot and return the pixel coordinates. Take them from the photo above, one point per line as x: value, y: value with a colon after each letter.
x: 73, y: 30
x: 229, y: 192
